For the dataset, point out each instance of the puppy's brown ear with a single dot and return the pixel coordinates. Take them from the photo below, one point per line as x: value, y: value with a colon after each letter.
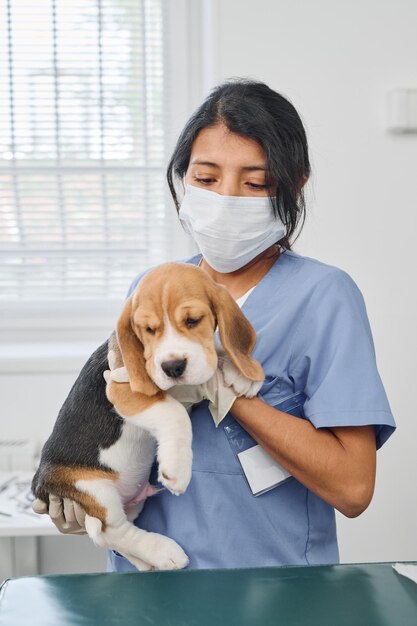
x: 132, y: 352
x: 236, y: 333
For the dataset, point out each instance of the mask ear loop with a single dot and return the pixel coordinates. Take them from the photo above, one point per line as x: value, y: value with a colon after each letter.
x: 278, y: 251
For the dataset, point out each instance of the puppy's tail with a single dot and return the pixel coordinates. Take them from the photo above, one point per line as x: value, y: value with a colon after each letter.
x: 94, y: 528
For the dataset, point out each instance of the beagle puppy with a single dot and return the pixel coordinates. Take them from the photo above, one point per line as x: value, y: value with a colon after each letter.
x: 107, y: 433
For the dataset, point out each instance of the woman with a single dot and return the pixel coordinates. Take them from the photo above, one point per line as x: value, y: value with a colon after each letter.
x: 322, y: 411
x: 245, y: 145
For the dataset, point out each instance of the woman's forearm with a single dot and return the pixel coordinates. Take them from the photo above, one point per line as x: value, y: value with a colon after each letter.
x: 337, y: 464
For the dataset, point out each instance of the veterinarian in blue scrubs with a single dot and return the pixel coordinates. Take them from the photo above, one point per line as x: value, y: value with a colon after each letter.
x: 322, y: 412
x: 241, y: 163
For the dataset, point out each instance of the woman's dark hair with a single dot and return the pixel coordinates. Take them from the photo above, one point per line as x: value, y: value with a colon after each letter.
x: 251, y: 109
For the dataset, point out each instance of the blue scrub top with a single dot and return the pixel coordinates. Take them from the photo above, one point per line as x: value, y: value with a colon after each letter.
x: 315, y: 345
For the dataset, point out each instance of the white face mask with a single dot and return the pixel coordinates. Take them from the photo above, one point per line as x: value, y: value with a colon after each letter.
x: 229, y: 230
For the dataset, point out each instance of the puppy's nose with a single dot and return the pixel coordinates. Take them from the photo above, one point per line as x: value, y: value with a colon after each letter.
x: 174, y: 369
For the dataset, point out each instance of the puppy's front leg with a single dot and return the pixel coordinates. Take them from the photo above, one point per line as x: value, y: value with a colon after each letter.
x: 165, y: 419
x: 169, y: 422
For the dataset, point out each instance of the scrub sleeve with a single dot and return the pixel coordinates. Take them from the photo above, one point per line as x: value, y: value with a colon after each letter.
x: 333, y: 360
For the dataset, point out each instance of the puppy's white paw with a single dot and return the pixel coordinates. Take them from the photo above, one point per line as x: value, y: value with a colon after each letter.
x: 162, y: 552
x: 174, y: 470
x: 241, y: 385
x: 142, y: 566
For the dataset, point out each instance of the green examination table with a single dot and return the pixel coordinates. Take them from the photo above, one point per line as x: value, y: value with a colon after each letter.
x: 338, y: 595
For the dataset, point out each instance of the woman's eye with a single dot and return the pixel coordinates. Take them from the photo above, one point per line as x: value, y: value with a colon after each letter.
x: 204, y: 181
x: 190, y: 322
x: 256, y: 186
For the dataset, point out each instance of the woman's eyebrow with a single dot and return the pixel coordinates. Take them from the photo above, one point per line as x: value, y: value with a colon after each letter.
x: 200, y: 162
x: 252, y: 168
x: 247, y: 168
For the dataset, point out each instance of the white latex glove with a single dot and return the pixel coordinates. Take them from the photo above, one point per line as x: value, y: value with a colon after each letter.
x: 67, y: 515
x: 220, y: 397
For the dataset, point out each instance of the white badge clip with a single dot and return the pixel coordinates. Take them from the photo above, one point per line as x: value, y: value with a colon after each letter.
x: 261, y: 471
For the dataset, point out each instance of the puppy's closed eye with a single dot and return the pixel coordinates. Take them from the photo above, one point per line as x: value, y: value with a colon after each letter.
x: 191, y: 322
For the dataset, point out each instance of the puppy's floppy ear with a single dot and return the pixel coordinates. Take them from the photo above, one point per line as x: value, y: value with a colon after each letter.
x: 132, y: 352
x: 236, y: 333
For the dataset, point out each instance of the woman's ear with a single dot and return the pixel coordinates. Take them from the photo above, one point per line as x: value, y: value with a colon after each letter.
x: 237, y: 334
x: 132, y: 352
x: 301, y: 184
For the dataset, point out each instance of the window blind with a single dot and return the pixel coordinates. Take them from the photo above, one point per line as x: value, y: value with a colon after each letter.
x: 83, y: 93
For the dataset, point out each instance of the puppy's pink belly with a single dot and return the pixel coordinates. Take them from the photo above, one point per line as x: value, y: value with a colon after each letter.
x: 144, y: 491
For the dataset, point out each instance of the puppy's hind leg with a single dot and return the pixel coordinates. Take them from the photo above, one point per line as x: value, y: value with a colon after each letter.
x: 94, y: 528
x: 142, y: 548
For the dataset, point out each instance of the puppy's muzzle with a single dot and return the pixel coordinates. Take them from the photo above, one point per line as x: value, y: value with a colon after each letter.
x: 174, y: 369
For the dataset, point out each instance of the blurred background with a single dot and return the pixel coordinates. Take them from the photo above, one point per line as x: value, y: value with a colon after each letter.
x: 93, y: 94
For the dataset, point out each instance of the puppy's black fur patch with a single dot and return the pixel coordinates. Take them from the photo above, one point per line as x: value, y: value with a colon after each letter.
x: 86, y: 423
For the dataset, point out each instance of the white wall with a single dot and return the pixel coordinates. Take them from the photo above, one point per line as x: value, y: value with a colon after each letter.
x: 335, y: 61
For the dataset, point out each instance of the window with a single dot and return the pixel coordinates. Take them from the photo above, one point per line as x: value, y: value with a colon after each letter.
x: 85, y: 96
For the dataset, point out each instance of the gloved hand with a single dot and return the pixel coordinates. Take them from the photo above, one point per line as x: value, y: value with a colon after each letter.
x: 220, y: 397
x: 67, y: 515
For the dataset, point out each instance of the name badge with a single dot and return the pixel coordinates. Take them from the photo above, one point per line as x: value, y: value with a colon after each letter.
x: 262, y: 473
